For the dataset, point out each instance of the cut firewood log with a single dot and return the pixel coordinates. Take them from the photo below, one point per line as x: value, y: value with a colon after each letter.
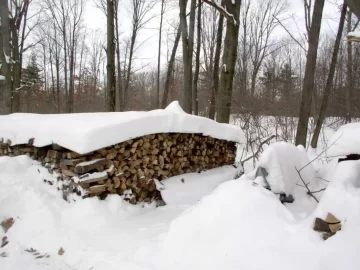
x: 85, y: 167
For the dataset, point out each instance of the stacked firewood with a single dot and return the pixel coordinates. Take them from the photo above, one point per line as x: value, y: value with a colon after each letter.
x: 130, y: 168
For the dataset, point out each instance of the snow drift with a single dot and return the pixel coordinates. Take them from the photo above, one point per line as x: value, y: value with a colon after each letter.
x: 86, y: 132
x: 345, y: 141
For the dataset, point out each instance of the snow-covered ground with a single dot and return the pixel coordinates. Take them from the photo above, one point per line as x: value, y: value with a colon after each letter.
x: 239, y: 225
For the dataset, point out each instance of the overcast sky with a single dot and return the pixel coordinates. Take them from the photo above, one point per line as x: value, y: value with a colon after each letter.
x: 147, y: 53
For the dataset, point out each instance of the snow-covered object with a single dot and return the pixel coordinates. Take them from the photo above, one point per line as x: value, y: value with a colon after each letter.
x: 2, y: 78
x: 189, y: 188
x: 354, y: 36
x: 345, y: 141
x: 86, y: 132
x: 282, y: 161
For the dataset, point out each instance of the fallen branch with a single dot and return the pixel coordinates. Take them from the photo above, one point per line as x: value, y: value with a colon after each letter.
x: 306, y: 186
x: 259, y: 149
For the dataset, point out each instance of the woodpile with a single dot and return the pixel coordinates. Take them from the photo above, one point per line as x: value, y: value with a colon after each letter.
x: 129, y: 168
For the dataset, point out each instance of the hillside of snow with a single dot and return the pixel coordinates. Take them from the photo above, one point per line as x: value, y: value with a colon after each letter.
x: 208, y: 224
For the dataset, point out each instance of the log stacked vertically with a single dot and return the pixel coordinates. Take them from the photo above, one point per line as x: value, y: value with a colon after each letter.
x: 129, y: 168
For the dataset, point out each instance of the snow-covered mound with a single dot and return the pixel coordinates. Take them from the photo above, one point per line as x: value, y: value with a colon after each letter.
x: 86, y: 132
x: 345, y: 141
x: 242, y: 226
x: 189, y: 188
x: 282, y: 161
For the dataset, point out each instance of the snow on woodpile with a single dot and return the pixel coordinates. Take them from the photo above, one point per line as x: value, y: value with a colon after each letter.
x: 354, y: 36
x: 345, y: 141
x: 86, y: 132
x: 129, y: 168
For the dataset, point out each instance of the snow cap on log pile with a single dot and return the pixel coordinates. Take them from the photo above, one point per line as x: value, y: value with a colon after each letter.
x: 86, y: 132
x: 354, y: 36
x: 345, y: 141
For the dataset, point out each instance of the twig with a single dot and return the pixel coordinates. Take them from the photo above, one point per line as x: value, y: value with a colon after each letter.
x: 309, y: 191
x: 323, y: 179
x: 259, y: 149
x: 317, y: 191
x: 320, y: 154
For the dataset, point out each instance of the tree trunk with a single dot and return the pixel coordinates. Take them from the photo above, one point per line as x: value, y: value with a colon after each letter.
x: 215, y: 88
x: 197, y: 61
x: 170, y: 69
x: 5, y: 58
x: 330, y: 79
x: 120, y: 102
x: 111, y: 80
x: 187, y: 44
x: 354, y: 6
x: 350, y: 81
x: 157, y: 103
x: 309, y: 77
x: 224, y: 97
x: 16, y: 68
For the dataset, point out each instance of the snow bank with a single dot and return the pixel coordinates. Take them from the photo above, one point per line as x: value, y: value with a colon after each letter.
x: 345, y: 141
x: 242, y: 226
x: 86, y: 132
x: 190, y: 188
x: 281, y: 161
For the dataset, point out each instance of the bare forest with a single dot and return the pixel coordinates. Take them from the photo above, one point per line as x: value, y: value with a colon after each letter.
x: 218, y: 58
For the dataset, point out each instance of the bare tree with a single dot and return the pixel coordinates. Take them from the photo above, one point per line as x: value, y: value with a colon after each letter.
x: 216, y: 79
x: 197, y: 61
x: 110, y: 52
x: 187, y: 46
x: 231, y: 11
x: 330, y: 78
x: 350, y: 81
x: 159, y: 55
x: 5, y: 58
x: 170, y: 68
x: 140, y: 11
x: 309, y: 77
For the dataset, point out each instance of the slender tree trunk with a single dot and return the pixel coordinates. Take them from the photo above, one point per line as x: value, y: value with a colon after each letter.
x: 197, y: 61
x: 350, y: 81
x: 224, y: 97
x: 157, y: 104
x: 170, y: 69
x: 119, y: 77
x: 308, y: 87
x: 330, y: 79
x: 5, y: 58
x: 111, y: 79
x: 187, y: 44
x: 215, y: 88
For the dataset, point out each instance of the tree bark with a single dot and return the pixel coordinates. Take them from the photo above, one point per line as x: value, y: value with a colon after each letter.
x: 5, y: 58
x: 350, y: 81
x: 170, y: 69
x: 216, y: 80
x: 111, y: 80
x: 120, y: 106
x: 197, y: 61
x: 187, y: 44
x: 157, y: 104
x: 309, y: 77
x: 224, y: 97
x: 354, y: 6
x: 330, y: 79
